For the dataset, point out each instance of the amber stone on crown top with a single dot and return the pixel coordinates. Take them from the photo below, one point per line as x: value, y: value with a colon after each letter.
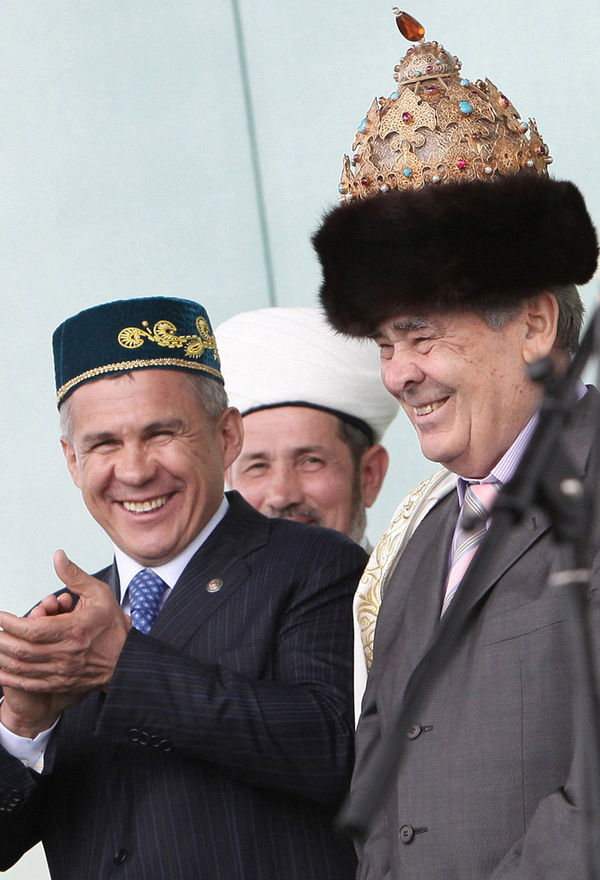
x: 408, y: 26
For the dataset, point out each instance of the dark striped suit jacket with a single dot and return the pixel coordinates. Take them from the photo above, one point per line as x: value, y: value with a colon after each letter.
x: 224, y: 744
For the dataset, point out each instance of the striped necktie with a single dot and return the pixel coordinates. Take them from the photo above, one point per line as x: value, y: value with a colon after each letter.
x: 478, y: 503
x: 146, y: 590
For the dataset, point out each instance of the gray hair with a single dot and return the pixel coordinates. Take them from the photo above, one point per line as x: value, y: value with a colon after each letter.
x: 570, y: 317
x: 208, y: 393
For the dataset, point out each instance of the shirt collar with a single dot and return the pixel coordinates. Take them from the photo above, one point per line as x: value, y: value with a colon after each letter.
x: 170, y: 571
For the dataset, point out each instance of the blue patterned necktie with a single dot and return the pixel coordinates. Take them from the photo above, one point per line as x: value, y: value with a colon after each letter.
x: 146, y: 590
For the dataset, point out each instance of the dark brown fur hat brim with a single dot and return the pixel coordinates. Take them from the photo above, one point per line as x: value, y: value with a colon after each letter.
x: 454, y: 246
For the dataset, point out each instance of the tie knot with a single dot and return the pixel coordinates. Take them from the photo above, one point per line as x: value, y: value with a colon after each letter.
x: 479, y: 500
x: 146, y: 590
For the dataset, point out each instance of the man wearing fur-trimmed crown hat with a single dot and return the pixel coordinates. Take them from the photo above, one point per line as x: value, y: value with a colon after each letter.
x: 459, y: 255
x: 190, y: 715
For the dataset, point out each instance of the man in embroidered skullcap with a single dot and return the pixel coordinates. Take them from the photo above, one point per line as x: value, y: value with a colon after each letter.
x: 189, y: 715
x: 457, y: 253
x: 314, y: 412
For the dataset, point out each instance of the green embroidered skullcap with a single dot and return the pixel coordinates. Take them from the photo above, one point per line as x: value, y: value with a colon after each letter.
x: 132, y: 334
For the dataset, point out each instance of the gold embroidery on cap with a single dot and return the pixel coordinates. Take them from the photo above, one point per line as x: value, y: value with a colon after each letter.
x: 165, y: 333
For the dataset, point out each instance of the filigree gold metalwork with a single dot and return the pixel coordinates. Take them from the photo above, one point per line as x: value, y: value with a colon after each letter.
x: 438, y: 126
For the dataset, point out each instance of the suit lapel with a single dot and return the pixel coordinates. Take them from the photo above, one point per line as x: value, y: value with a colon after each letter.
x: 424, y: 567
x: 213, y: 575
x: 518, y: 540
x: 420, y: 576
x: 110, y: 576
x: 113, y: 581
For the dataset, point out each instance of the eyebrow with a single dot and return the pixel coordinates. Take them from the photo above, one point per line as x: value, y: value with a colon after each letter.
x: 93, y: 437
x: 296, y: 450
x: 412, y: 324
x: 98, y: 437
x: 403, y: 325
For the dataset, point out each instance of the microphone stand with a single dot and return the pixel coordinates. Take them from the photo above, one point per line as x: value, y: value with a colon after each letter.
x: 546, y: 476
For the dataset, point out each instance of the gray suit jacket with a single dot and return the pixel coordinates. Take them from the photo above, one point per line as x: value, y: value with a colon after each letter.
x: 489, y: 783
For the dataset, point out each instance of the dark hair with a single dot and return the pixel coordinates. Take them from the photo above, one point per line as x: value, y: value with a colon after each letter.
x: 356, y: 439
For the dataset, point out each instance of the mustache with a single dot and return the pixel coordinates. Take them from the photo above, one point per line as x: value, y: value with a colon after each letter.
x: 296, y: 511
x: 421, y: 393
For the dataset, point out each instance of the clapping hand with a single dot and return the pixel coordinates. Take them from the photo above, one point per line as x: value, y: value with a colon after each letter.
x: 58, y: 653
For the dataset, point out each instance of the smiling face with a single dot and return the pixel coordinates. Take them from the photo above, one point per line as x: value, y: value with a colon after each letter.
x: 463, y: 384
x: 294, y: 464
x: 149, y: 462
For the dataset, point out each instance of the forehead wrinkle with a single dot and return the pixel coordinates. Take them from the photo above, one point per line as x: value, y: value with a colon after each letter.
x: 157, y: 424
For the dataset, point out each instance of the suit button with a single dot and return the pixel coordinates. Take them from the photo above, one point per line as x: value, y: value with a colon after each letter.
x: 165, y: 745
x: 12, y: 800
x: 134, y: 734
x: 144, y: 738
x: 414, y: 731
x: 407, y: 832
x: 120, y: 856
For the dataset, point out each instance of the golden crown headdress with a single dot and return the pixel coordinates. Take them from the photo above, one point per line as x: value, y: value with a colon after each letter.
x: 438, y: 126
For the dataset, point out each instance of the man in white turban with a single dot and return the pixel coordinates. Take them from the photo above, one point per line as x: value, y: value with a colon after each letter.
x: 314, y: 410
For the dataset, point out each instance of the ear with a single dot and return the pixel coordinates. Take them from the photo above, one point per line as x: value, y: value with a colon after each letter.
x: 373, y: 468
x: 231, y: 431
x: 71, y: 459
x: 541, y: 322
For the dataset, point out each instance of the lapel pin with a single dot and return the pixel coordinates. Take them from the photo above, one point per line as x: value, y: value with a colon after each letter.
x: 214, y: 585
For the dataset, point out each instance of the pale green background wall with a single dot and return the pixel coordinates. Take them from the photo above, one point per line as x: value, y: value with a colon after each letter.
x: 126, y: 170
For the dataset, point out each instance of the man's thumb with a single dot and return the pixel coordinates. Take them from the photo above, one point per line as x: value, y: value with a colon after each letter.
x: 71, y: 575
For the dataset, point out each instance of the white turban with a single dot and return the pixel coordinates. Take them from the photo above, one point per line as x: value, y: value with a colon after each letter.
x: 283, y: 356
